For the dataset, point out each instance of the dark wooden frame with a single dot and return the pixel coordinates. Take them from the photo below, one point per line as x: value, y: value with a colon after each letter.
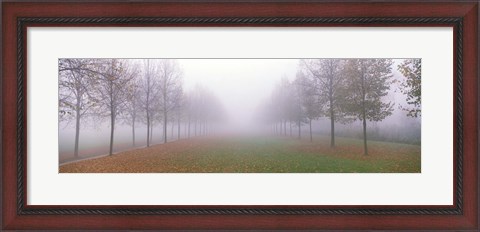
x: 462, y: 16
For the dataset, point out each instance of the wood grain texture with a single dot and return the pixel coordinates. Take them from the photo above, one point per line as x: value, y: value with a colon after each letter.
x: 13, y: 218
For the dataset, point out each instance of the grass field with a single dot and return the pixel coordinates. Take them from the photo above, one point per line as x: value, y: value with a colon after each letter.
x: 257, y: 155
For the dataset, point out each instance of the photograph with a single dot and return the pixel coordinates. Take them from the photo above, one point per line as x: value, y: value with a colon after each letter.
x: 302, y: 115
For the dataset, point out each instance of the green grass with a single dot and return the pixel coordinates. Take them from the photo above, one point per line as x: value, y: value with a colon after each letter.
x: 260, y: 155
x: 282, y: 155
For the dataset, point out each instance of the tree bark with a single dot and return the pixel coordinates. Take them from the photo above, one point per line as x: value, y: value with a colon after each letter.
x: 77, y: 131
x: 148, y: 109
x: 332, y: 129
x: 165, y: 126
x: 112, y: 129
x: 310, y: 124
x: 148, y: 130
x: 112, y: 117
x: 133, y: 132
x: 151, y: 132
x: 365, y: 150
x: 332, y: 113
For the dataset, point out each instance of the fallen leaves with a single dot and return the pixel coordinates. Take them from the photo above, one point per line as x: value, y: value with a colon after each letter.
x: 259, y: 155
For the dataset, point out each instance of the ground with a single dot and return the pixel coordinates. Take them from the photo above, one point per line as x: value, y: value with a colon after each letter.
x: 257, y: 155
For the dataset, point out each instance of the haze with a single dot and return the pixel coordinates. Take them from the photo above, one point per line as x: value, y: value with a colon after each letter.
x: 242, y: 86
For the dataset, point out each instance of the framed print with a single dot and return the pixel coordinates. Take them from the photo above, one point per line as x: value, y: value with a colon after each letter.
x: 259, y: 115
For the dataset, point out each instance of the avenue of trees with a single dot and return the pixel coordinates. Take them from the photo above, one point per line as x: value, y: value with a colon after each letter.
x: 343, y: 91
x: 131, y: 92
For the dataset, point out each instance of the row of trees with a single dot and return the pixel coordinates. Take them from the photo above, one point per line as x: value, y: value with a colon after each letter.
x: 130, y: 92
x: 342, y: 90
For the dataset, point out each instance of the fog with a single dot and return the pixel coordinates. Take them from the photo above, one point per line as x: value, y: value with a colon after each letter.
x: 242, y: 86
x: 239, y: 83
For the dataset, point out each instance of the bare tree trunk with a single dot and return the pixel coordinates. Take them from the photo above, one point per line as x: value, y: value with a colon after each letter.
x: 171, y: 130
x: 77, y: 130
x: 285, y: 127
x: 151, y: 132
x: 165, y: 126
x: 133, y: 133
x: 148, y: 131
x: 148, y: 103
x: 112, y: 129
x: 332, y: 129
x: 332, y: 114
x: 365, y: 151
x: 310, y: 124
x: 195, y: 127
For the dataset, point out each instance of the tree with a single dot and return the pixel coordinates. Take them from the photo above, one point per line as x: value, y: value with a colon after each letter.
x: 297, y: 111
x: 170, y: 89
x: 149, y: 94
x: 113, y: 76
x: 282, y: 101
x: 277, y: 109
x: 75, y: 99
x: 213, y: 111
x: 195, y: 106
x: 132, y: 105
x: 204, y: 108
x: 367, y: 83
x: 308, y: 100
x: 412, y: 85
x: 189, y: 110
x: 179, y: 112
x: 325, y: 79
